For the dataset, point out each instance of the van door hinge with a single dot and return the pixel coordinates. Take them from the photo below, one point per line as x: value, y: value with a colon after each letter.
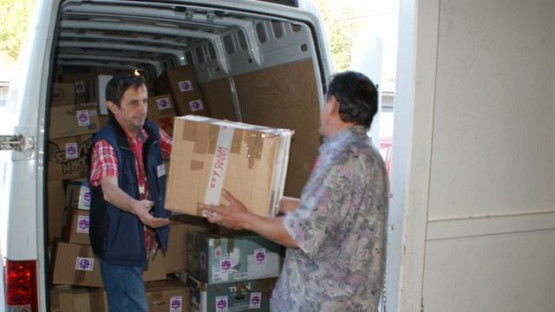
x: 17, y: 143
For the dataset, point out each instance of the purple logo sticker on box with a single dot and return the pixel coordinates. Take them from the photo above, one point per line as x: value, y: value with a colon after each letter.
x: 83, y: 118
x: 163, y: 103
x: 260, y: 256
x: 225, y: 265
x: 221, y: 304
x: 80, y: 86
x: 72, y: 151
x: 196, y: 105
x: 255, y: 301
x: 84, y: 264
x: 83, y: 224
x: 176, y: 304
x: 185, y: 86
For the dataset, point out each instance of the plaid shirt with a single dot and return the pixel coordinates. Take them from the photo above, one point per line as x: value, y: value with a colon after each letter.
x: 104, y: 163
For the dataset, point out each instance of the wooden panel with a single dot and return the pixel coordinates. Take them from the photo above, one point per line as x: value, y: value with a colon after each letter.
x: 285, y: 96
x: 217, y: 95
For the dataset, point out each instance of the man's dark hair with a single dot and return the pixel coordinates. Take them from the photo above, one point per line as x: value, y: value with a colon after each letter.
x: 119, y: 83
x: 357, y: 96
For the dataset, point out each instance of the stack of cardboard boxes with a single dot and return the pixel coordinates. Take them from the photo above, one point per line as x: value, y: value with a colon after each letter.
x: 77, y: 112
x: 232, y: 270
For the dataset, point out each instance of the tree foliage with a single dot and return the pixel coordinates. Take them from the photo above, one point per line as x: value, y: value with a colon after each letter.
x: 341, y: 29
x: 14, y: 20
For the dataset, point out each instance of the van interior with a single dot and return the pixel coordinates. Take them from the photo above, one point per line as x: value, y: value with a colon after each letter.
x: 263, y: 66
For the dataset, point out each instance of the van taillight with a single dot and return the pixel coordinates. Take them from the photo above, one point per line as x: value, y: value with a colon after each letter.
x: 21, y: 285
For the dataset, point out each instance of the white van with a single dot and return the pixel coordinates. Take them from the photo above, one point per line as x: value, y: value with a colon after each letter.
x: 262, y: 62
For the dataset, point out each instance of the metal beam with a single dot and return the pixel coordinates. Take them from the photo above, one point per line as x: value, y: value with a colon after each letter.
x: 69, y: 34
x: 135, y: 28
x: 100, y: 58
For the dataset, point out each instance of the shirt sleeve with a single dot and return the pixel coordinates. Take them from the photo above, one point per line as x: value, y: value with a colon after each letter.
x: 166, y: 144
x: 103, y: 162
x: 318, y: 212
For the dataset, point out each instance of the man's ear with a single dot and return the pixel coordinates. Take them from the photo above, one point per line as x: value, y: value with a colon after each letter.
x: 334, y: 106
x: 111, y: 106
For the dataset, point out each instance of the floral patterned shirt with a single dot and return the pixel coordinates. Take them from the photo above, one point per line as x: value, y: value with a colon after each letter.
x: 340, y: 226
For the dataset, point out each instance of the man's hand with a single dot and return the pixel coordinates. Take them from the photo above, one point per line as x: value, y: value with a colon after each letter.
x: 142, y: 211
x: 232, y: 216
x: 141, y: 208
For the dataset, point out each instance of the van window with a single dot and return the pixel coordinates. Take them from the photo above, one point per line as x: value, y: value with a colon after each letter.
x: 278, y: 31
x: 261, y: 31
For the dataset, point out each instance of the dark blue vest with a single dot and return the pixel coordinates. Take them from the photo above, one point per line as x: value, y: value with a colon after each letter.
x: 117, y: 236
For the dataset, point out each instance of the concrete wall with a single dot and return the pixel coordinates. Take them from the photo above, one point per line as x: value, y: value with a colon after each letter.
x: 473, y: 217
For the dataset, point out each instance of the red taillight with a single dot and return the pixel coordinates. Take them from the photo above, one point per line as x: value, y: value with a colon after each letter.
x: 21, y: 285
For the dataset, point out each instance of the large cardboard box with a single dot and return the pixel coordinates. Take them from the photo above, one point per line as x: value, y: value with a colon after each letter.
x: 62, y: 94
x: 85, y: 85
x: 167, y: 296
x: 72, y: 120
x: 78, y: 195
x: 216, y: 258
x: 181, y: 83
x: 209, y: 155
x: 162, y: 111
x: 176, y: 255
x: 250, y: 295
x: 156, y: 268
x: 65, y: 298
x: 77, y: 230
x: 56, y: 209
x: 67, y: 157
x: 75, y: 265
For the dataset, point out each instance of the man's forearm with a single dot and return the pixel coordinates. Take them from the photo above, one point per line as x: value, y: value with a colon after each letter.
x: 271, y: 228
x: 117, y: 197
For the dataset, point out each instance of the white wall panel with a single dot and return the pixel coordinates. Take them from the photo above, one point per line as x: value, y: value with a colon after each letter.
x: 493, y: 147
x: 508, y: 272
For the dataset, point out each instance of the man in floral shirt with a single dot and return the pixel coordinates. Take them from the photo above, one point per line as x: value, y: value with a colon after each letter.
x: 336, y: 232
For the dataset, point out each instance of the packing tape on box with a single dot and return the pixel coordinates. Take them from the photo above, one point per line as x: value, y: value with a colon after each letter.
x: 254, y: 142
x: 79, y: 276
x: 157, y: 299
x: 218, y: 167
x: 241, y: 290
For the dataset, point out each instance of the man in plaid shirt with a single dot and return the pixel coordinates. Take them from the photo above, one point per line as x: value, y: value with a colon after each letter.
x: 127, y: 179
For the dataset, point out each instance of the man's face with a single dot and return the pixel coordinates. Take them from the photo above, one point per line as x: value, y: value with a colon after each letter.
x: 132, y: 112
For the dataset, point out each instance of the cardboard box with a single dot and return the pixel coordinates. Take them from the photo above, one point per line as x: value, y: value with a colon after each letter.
x: 77, y: 231
x: 56, y: 209
x: 75, y: 265
x: 85, y: 86
x: 176, y: 255
x: 216, y: 258
x: 77, y: 299
x: 167, y: 296
x: 67, y: 157
x: 156, y: 268
x: 209, y: 155
x: 72, y: 120
x: 62, y: 94
x: 236, y: 296
x: 162, y: 111
x: 78, y: 195
x: 181, y: 83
